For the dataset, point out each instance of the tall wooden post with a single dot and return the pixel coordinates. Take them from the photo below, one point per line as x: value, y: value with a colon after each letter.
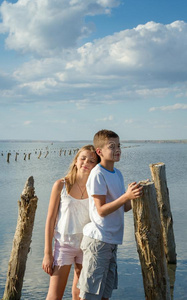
x: 159, y: 177
x: 21, y: 243
x: 148, y: 234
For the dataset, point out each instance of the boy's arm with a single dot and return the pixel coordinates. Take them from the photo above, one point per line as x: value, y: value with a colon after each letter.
x: 134, y: 191
x: 127, y: 206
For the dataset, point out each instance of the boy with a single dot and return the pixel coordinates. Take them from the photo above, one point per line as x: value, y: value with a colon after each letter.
x: 107, y: 203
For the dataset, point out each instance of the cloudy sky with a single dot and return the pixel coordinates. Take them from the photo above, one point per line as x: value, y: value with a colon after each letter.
x: 69, y: 68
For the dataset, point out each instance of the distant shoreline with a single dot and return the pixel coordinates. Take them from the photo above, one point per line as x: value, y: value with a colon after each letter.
x: 183, y: 141
x: 155, y: 141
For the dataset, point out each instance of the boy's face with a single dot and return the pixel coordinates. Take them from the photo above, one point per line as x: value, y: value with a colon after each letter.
x: 111, y: 151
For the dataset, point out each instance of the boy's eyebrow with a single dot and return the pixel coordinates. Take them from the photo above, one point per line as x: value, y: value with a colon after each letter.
x: 111, y: 142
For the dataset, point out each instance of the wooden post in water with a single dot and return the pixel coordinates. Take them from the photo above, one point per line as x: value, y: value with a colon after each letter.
x: 39, y: 154
x: 148, y: 235
x: 8, y: 157
x: 16, y: 156
x: 171, y: 274
x: 21, y: 243
x: 46, y: 154
x: 159, y: 177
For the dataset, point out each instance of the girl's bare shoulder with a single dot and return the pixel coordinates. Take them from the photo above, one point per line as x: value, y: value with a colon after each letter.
x: 58, y: 185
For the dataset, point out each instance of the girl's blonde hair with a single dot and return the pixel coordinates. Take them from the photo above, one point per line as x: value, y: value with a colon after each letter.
x: 70, y: 178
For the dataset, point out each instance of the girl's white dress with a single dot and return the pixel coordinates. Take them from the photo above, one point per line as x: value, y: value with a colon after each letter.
x: 73, y: 215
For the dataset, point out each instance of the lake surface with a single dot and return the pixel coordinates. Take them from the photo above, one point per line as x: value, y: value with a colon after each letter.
x: 134, y: 166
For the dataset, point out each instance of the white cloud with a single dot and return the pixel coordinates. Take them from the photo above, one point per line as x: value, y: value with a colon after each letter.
x: 129, y: 121
x: 158, y: 92
x: 153, y: 50
x: 143, y: 62
x: 81, y: 104
x: 26, y: 123
x: 45, y: 27
x: 105, y: 119
x: 129, y: 54
x: 40, y: 87
x: 176, y: 106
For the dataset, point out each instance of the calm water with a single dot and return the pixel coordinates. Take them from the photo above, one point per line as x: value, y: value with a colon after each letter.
x: 134, y: 165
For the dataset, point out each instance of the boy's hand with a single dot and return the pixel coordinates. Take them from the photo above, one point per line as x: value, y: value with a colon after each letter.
x: 134, y: 191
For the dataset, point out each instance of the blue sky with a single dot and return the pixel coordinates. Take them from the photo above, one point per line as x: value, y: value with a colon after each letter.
x: 69, y: 68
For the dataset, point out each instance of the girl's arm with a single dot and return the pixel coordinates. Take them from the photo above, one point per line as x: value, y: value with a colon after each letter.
x: 134, y: 191
x: 50, y: 224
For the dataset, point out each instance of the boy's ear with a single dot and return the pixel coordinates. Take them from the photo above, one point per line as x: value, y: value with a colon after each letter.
x: 98, y: 151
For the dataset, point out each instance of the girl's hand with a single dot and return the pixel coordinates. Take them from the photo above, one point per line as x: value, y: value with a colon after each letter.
x: 47, y: 264
x: 134, y: 190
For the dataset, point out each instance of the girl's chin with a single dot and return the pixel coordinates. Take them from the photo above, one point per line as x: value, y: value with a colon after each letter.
x: 86, y: 170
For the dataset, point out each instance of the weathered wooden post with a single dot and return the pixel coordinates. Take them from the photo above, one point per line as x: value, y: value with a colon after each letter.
x: 21, y: 243
x: 8, y: 157
x: 46, y: 154
x: 148, y: 235
x: 159, y: 177
x: 16, y: 156
x: 171, y: 274
x: 39, y: 154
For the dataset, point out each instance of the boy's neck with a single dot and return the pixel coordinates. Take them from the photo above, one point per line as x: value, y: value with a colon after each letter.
x: 108, y: 165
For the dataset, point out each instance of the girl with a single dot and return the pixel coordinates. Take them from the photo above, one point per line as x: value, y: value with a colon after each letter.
x: 67, y: 215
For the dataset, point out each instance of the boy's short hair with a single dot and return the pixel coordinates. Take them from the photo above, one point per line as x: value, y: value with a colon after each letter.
x: 102, y: 136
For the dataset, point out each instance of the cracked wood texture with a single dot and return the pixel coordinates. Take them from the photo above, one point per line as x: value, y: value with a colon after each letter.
x: 148, y: 235
x: 158, y: 174
x: 21, y: 243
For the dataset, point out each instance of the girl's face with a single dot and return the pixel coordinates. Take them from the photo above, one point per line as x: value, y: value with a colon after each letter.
x: 86, y: 161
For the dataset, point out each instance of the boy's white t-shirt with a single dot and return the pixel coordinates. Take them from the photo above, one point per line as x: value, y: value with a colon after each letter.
x: 108, y: 229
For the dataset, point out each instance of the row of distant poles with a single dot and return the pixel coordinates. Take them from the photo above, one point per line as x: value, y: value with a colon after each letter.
x: 41, y: 153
